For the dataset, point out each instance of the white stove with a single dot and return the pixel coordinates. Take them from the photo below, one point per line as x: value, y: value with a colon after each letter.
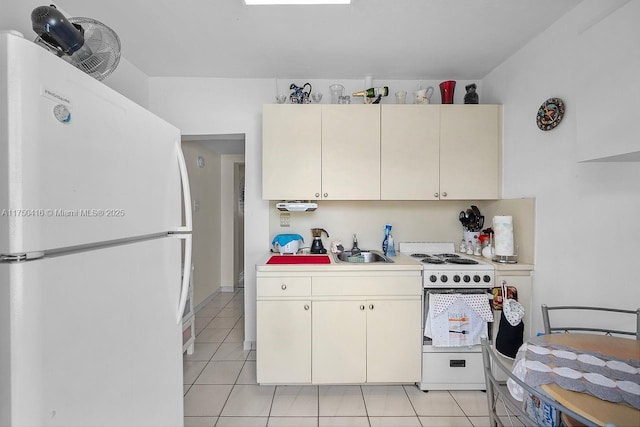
x: 444, y: 268
x: 445, y: 271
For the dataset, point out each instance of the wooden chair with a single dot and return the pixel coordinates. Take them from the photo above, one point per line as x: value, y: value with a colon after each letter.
x: 585, y: 310
x: 497, y: 392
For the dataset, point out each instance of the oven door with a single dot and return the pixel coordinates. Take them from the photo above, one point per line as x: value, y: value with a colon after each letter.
x: 452, y: 368
x: 450, y: 323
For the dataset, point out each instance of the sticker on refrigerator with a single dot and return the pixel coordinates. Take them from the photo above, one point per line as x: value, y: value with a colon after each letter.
x: 61, y: 113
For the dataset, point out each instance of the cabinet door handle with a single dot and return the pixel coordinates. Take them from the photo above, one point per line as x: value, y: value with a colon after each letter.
x: 306, y: 306
x: 362, y: 307
x: 444, y: 194
x: 435, y: 194
x: 326, y: 195
x: 370, y: 306
x: 283, y: 287
x: 317, y: 194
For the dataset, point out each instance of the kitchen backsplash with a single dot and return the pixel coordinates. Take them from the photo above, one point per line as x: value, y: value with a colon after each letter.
x: 411, y: 221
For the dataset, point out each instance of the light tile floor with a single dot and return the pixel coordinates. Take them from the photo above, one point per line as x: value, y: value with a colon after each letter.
x: 220, y: 388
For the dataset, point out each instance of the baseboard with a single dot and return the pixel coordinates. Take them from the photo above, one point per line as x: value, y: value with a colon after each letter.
x: 249, y: 345
x: 227, y: 289
x: 206, y: 301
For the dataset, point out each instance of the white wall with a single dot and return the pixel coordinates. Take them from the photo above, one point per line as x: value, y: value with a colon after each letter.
x: 131, y: 82
x: 587, y: 239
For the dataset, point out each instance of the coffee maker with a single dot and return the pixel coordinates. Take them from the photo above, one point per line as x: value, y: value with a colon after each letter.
x: 316, y: 246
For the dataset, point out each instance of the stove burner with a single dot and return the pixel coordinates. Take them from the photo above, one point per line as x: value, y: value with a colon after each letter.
x: 419, y: 255
x: 431, y: 260
x: 461, y: 261
x: 448, y: 256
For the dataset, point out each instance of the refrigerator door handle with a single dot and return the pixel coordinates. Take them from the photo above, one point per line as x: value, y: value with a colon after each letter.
x: 186, y: 193
x: 186, y: 275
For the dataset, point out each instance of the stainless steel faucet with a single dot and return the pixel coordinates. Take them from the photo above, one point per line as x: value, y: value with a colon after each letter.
x: 355, y: 250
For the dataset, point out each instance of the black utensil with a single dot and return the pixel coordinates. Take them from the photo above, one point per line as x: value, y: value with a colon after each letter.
x: 463, y: 218
x: 471, y: 216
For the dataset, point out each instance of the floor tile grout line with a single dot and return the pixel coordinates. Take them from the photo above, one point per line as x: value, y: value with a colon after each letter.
x: 411, y: 402
x: 458, y: 403
x: 364, y: 401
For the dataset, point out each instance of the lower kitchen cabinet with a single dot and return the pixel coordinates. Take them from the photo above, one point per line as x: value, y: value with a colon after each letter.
x: 393, y: 340
x: 366, y: 341
x: 339, y: 342
x: 339, y: 330
x: 284, y: 337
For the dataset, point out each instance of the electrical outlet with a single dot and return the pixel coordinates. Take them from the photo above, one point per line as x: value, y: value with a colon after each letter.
x: 285, y: 219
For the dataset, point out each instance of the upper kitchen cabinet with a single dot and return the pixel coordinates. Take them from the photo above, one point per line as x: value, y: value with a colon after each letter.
x: 351, y: 152
x: 470, y: 150
x: 607, y: 66
x: 440, y: 152
x: 291, y: 152
x: 388, y: 152
x: 410, y: 152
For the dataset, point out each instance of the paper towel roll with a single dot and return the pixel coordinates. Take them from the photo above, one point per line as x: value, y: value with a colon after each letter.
x: 503, y: 234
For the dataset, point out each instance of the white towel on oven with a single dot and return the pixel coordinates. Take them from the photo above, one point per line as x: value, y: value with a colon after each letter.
x: 456, y: 320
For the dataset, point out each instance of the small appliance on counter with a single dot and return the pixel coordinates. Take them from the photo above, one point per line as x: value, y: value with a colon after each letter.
x: 287, y: 243
x: 316, y: 246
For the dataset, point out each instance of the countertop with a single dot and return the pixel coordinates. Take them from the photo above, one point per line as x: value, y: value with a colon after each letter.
x: 400, y: 262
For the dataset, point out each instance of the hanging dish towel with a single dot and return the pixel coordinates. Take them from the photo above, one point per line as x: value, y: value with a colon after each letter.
x: 456, y: 320
x: 511, y: 329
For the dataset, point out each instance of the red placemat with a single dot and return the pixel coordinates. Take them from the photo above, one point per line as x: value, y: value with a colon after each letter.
x: 299, y: 259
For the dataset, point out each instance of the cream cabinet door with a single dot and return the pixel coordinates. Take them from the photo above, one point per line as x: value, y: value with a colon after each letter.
x: 339, y: 352
x: 410, y: 157
x: 394, y: 341
x: 283, y: 342
x: 351, y: 152
x: 470, y: 152
x: 291, y: 152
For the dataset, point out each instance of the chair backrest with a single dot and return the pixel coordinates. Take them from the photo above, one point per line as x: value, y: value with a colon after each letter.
x: 497, y: 392
x: 581, y: 311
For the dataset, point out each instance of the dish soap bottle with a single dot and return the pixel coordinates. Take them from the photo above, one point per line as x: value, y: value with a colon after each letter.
x: 391, y: 249
x: 385, y: 242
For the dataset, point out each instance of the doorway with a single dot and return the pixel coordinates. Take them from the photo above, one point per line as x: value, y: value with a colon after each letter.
x: 217, y: 191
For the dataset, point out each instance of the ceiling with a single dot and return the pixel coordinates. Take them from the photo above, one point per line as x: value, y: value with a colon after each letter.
x: 390, y: 39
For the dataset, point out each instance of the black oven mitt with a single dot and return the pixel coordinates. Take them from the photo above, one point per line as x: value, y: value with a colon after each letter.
x: 509, y: 337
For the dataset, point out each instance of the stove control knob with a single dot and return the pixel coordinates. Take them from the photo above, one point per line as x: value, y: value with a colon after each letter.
x: 433, y: 278
x: 466, y: 278
x: 486, y: 278
x: 476, y: 278
x: 456, y: 278
x: 444, y: 278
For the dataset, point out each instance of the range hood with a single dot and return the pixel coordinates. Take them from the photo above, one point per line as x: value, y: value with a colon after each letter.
x: 297, y: 206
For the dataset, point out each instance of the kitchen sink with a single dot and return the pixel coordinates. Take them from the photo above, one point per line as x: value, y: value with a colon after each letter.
x: 363, y: 257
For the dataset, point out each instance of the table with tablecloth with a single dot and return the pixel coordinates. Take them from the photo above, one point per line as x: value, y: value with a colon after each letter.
x: 595, y: 375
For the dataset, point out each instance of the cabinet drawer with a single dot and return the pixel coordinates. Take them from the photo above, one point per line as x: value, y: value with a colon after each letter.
x: 367, y: 285
x: 452, y: 369
x: 283, y: 286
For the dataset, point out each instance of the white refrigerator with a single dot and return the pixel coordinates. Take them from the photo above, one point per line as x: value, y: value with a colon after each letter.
x: 95, y: 250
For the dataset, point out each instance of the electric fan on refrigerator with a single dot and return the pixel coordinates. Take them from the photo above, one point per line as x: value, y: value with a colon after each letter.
x: 86, y: 43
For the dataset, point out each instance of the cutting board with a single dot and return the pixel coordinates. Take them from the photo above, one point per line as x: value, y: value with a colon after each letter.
x: 299, y: 259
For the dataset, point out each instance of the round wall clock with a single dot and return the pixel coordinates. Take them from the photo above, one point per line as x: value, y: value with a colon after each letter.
x: 550, y: 113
